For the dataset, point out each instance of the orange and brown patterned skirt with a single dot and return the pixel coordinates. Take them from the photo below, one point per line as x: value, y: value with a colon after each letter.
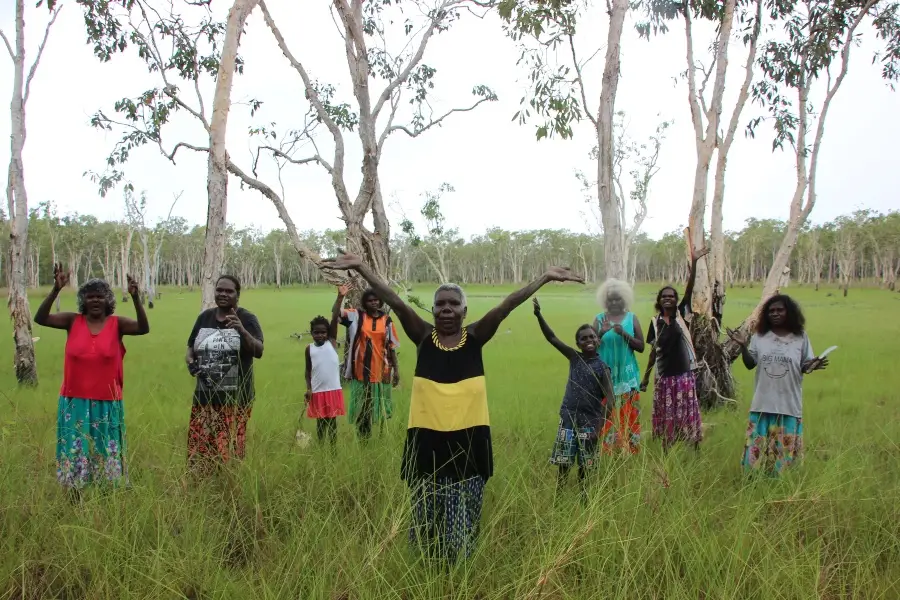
x: 216, y: 434
x: 622, y: 431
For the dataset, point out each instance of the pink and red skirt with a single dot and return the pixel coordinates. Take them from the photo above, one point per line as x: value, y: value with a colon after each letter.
x: 326, y: 405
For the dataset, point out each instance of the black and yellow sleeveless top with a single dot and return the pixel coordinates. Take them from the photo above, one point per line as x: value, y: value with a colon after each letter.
x: 449, y: 432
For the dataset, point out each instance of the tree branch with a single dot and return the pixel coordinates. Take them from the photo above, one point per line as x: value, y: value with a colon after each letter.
x: 298, y: 161
x: 438, y: 15
x: 12, y: 54
x: 437, y: 121
x: 37, y: 59
x: 580, y: 81
x: 829, y: 96
x: 696, y: 117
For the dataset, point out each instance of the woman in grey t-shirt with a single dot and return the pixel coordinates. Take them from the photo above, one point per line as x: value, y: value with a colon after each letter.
x: 781, y: 353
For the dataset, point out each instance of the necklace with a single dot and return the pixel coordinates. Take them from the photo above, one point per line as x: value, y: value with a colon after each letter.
x: 440, y: 346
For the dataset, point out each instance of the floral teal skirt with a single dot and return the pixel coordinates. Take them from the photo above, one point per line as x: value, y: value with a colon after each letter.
x: 90, y: 442
x: 774, y: 442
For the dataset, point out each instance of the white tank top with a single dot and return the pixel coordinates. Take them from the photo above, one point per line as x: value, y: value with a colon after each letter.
x: 326, y: 374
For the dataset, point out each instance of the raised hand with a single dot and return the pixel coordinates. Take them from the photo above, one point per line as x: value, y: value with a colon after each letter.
x: 343, y: 290
x: 617, y: 327
x: 60, y: 276
x: 537, y: 306
x: 698, y: 254
x: 738, y: 337
x: 133, y: 289
x: 233, y: 322
x: 562, y: 274
x: 605, y: 326
x: 816, y: 364
x: 344, y: 261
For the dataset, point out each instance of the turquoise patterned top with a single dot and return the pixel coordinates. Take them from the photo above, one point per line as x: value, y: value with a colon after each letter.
x: 616, y: 353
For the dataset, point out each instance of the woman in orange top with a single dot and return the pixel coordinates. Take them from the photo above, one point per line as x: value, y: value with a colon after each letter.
x: 371, y: 357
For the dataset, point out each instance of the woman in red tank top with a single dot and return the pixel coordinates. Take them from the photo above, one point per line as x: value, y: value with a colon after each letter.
x: 90, y: 439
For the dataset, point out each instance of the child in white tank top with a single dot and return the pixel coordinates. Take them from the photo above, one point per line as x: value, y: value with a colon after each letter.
x: 324, y: 396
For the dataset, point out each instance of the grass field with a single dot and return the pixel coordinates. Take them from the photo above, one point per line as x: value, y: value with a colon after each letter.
x: 303, y: 524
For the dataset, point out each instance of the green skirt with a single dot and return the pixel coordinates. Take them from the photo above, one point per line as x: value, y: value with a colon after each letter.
x: 90, y: 442
x: 370, y: 399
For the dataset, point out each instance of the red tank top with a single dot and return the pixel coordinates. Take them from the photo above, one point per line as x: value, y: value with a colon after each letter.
x: 93, y: 364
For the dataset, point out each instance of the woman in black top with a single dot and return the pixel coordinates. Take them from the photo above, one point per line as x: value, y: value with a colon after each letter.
x: 220, y: 353
x: 676, y: 411
x: 447, y: 458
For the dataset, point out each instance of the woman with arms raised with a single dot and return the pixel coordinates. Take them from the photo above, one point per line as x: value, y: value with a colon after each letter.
x: 90, y: 439
x: 447, y: 457
x: 676, y: 410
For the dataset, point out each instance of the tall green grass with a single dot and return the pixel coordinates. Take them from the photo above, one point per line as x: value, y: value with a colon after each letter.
x: 291, y: 523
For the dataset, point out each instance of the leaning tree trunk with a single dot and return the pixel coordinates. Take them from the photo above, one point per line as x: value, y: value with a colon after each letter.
x: 217, y: 178
x: 19, y: 311
x: 613, y: 235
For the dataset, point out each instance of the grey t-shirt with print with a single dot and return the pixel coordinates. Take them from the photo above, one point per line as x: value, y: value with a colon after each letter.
x: 779, y: 372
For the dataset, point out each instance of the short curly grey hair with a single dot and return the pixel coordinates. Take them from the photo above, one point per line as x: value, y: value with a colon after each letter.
x: 617, y: 287
x: 451, y: 287
x: 96, y: 286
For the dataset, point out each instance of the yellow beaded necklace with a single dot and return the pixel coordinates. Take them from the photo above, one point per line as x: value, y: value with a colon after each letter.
x: 439, y: 346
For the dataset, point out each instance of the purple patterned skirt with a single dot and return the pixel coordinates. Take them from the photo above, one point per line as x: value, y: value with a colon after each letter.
x: 676, y: 412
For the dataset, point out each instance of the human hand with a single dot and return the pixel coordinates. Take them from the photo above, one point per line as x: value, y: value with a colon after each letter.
x: 344, y: 261
x: 537, y: 306
x: 738, y: 337
x: 344, y: 289
x: 233, y: 322
x: 133, y: 289
x: 816, y: 364
x: 644, y: 384
x: 605, y: 326
x: 617, y: 327
x: 698, y: 254
x: 395, y: 381
x: 562, y: 274
x: 60, y: 276
x: 308, y: 396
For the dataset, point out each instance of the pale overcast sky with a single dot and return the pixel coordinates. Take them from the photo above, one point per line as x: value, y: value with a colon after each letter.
x: 502, y: 176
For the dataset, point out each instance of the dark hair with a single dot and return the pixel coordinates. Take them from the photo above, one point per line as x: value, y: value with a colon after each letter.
x: 795, y: 321
x: 369, y: 293
x: 319, y: 320
x: 582, y: 328
x: 232, y: 279
x: 658, y: 306
x: 96, y: 286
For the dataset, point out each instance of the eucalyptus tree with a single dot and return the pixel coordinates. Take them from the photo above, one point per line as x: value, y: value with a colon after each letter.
x: 16, y: 192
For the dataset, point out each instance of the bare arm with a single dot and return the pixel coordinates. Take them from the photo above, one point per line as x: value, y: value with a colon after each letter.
x: 566, y: 351
x: 415, y: 326
x: 335, y: 317
x: 336, y: 308
x: 650, y: 363
x: 692, y: 276
x: 141, y: 326
x: 636, y: 341
x: 487, y: 326
x: 308, y: 371
x: 56, y: 321
x: 748, y: 359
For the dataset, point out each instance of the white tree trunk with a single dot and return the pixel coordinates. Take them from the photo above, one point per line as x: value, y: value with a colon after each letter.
x: 613, y: 228
x: 17, y: 199
x: 706, y: 144
x: 217, y: 182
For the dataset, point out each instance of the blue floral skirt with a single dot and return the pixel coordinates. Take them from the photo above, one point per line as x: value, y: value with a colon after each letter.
x: 446, y: 515
x: 90, y: 442
x: 773, y: 443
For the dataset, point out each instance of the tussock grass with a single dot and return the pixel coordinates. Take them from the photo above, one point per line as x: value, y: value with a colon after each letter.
x: 290, y: 523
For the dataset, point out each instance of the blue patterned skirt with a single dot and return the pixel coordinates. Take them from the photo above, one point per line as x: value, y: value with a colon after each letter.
x: 773, y: 443
x: 446, y: 514
x: 90, y: 442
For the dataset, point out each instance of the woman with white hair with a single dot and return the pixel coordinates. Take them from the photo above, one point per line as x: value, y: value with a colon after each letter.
x: 620, y: 337
x: 447, y: 458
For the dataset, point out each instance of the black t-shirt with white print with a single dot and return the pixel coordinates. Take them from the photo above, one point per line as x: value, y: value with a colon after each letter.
x: 225, y: 364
